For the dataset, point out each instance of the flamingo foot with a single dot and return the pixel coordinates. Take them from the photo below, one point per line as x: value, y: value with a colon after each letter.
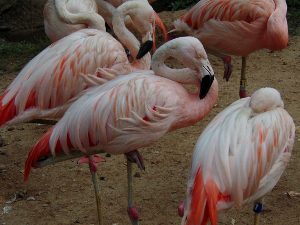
x: 133, y: 213
x: 227, y: 67
x: 181, y: 209
x: 135, y: 157
x: 93, y: 163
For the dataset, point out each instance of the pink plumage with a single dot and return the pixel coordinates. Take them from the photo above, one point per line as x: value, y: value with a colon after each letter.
x: 55, y: 76
x: 237, y: 27
x: 239, y: 157
x: 135, y: 110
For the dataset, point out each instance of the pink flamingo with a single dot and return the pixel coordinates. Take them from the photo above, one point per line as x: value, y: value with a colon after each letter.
x: 135, y: 110
x: 62, y: 17
x: 54, y: 76
x: 237, y: 27
x: 239, y: 157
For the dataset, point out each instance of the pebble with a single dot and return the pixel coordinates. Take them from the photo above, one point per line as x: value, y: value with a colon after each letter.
x: 30, y: 198
x: 10, y: 128
x: 2, y: 167
x: 7, y: 209
x: 108, y: 155
x: 137, y: 174
x: 2, y: 143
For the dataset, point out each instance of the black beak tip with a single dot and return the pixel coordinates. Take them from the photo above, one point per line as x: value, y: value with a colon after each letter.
x: 205, y: 85
x: 144, y: 49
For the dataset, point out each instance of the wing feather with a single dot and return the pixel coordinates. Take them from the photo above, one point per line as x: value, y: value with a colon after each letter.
x: 118, y: 116
x: 247, y: 152
x: 54, y: 76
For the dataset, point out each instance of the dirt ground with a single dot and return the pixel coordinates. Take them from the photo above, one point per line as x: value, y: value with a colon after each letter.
x: 63, y: 193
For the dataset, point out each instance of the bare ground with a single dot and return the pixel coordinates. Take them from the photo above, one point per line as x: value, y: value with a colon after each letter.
x: 63, y: 193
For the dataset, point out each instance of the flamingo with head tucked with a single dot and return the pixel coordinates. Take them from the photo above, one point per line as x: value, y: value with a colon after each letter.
x: 54, y: 76
x: 236, y: 27
x: 62, y: 17
x: 239, y: 157
x: 135, y: 110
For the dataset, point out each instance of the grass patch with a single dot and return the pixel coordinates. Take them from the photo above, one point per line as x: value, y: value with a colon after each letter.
x: 14, y: 55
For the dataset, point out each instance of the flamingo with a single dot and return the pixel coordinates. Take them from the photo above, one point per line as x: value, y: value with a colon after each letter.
x: 236, y: 27
x: 62, y: 17
x: 54, y: 76
x: 135, y: 110
x: 239, y: 157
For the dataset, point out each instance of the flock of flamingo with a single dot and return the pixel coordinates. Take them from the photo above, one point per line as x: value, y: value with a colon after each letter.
x: 110, y: 95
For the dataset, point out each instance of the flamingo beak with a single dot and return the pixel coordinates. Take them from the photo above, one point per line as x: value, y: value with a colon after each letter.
x: 144, y: 49
x: 205, y: 85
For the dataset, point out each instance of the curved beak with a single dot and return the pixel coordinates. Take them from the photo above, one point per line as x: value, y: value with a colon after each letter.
x: 144, y: 49
x: 207, y: 78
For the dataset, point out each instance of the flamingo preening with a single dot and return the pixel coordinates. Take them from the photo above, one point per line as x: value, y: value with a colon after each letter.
x: 54, y: 76
x: 62, y: 17
x: 236, y: 27
x: 239, y: 157
x: 135, y: 110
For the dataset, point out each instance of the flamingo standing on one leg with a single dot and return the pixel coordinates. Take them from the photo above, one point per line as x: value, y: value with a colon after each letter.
x: 239, y: 157
x: 54, y: 76
x: 237, y: 27
x: 62, y: 17
x: 134, y: 111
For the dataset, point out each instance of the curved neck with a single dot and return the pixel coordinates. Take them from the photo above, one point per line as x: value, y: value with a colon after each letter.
x: 184, y: 75
x: 106, y: 10
x: 93, y: 20
x: 124, y: 35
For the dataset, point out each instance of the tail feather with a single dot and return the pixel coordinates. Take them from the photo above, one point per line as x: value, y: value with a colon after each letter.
x: 7, y: 111
x: 204, y: 202
x: 42, y: 150
x: 39, y: 150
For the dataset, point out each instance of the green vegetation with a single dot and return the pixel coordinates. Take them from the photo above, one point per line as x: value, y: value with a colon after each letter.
x: 14, y: 55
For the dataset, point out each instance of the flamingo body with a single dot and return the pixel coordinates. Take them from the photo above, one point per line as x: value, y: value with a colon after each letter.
x: 54, y: 76
x: 127, y: 113
x: 56, y: 28
x: 237, y: 27
x: 239, y: 157
x: 135, y: 110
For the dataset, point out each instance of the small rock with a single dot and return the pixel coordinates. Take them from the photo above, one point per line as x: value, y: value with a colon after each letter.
x: 7, y: 209
x: 108, y: 155
x: 137, y: 174
x: 2, y: 143
x: 2, y: 167
x: 45, y: 205
x: 2, y: 153
x: 30, y: 198
x: 102, y: 178
x: 10, y: 128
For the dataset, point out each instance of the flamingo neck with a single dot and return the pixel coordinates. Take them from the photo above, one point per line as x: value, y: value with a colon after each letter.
x: 124, y: 35
x: 277, y: 29
x: 183, y: 75
x: 92, y: 19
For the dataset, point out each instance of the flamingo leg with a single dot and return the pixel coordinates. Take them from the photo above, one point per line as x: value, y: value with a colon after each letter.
x: 258, y: 208
x: 133, y: 157
x: 243, y: 81
x: 227, y: 63
x: 93, y: 160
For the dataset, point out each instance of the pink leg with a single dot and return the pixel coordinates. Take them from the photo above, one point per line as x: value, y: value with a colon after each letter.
x: 181, y: 209
x: 133, y: 157
x: 93, y: 161
x: 227, y: 67
x: 226, y: 60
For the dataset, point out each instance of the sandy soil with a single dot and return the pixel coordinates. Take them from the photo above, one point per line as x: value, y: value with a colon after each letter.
x: 63, y: 193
